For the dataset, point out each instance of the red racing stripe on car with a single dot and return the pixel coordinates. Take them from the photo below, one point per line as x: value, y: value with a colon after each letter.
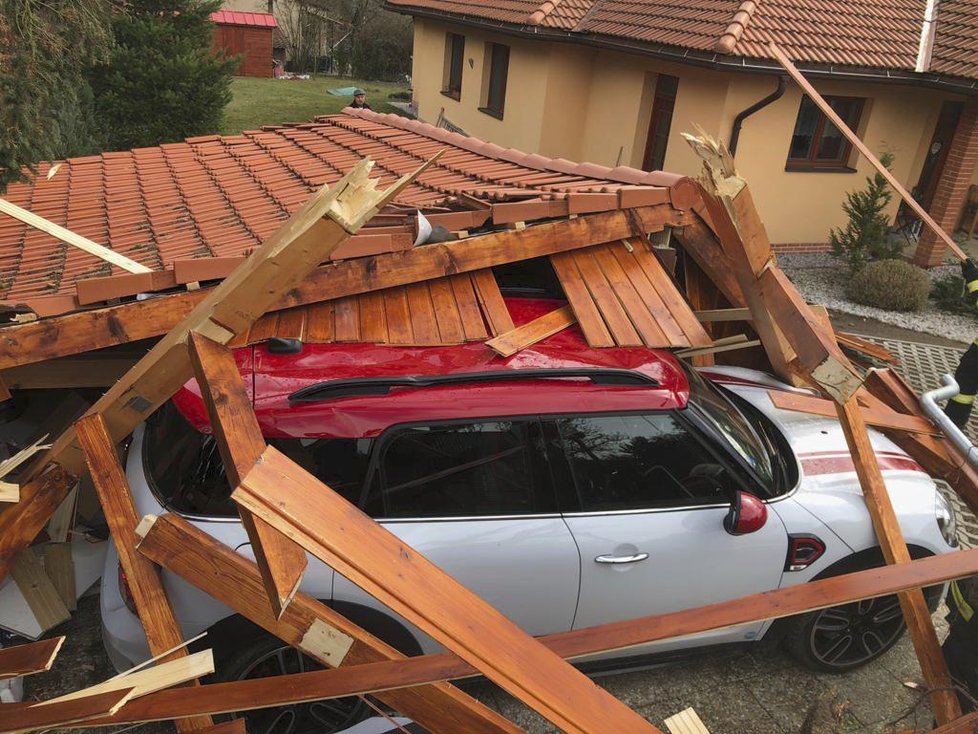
x: 828, y: 462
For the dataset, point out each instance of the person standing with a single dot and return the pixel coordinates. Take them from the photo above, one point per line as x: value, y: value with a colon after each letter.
x: 961, y: 646
x: 958, y: 408
x: 359, y: 100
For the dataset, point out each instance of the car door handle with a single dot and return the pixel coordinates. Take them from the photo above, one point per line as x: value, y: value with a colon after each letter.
x: 634, y: 558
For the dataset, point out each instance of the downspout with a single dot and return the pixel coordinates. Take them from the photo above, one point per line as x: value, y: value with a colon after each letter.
x: 757, y: 106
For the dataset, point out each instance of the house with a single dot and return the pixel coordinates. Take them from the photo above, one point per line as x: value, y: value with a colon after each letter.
x: 616, y: 82
x: 248, y: 34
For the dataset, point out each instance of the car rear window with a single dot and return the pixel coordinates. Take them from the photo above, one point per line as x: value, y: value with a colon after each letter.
x: 185, y: 471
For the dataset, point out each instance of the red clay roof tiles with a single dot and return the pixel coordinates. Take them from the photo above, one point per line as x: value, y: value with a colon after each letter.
x: 215, y: 196
x: 882, y: 34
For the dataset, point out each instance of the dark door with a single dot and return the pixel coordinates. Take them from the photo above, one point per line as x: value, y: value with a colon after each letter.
x: 662, y: 107
x: 940, y: 144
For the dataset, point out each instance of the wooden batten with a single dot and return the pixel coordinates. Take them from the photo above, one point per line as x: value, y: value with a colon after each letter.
x: 35, y: 657
x: 321, y: 632
x: 15, y: 718
x: 511, y: 342
x: 38, y: 590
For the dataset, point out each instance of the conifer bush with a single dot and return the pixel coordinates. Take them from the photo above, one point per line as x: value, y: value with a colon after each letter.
x: 894, y: 285
x: 865, y: 236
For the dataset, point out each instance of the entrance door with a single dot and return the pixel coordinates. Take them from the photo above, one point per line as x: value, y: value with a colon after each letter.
x: 660, y: 123
x: 940, y: 144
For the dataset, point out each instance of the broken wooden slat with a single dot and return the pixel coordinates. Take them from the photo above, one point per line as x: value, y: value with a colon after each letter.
x: 17, y: 717
x: 152, y: 605
x: 41, y: 595
x: 723, y: 314
x: 874, y: 417
x: 678, y: 308
x: 686, y: 721
x: 532, y: 332
x: 727, y: 344
x: 894, y: 548
x: 69, y: 372
x: 60, y: 568
x: 373, y: 321
x: 71, y: 238
x: 491, y: 302
x: 81, y: 332
x: 346, y: 312
x: 700, y: 243
x: 967, y: 724
x: 398, y: 316
x: 63, y: 519
x: 281, y: 492
x: 672, y: 333
x: 473, y: 326
x: 585, y: 310
x: 35, y: 657
x: 447, y: 314
x: 38, y: 499
x: 423, y: 323
x: 318, y: 630
x: 865, y: 347
x: 654, y: 328
x: 604, y: 297
x: 319, y: 323
x: 9, y: 492
x: 291, y: 324
x: 240, y: 442
x: 387, y: 675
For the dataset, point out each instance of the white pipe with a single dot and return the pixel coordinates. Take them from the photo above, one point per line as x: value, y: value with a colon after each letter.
x: 929, y: 402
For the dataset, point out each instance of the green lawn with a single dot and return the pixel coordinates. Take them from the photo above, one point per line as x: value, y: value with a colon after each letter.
x: 258, y: 102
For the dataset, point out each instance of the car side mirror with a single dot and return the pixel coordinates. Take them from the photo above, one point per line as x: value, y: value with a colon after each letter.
x: 747, y: 514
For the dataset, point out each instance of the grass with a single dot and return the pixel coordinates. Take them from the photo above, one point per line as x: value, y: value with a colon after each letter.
x: 258, y: 102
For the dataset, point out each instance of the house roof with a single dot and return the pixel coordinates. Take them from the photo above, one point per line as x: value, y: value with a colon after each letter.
x: 204, y: 203
x: 239, y: 17
x: 880, y: 34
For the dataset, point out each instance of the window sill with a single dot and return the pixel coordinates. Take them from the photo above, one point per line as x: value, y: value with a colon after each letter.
x: 808, y: 168
x: 498, y: 114
x: 451, y: 95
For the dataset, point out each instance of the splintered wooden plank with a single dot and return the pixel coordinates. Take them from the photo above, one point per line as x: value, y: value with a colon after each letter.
x: 629, y: 269
x: 398, y: 315
x: 373, y: 321
x: 449, y: 319
x: 17, y: 717
x: 240, y: 441
x: 874, y: 416
x: 291, y: 324
x: 386, y: 675
x: 319, y: 323
x: 263, y: 329
x: 607, y: 302
x: 686, y: 721
x: 585, y: 310
x: 491, y: 302
x: 347, y: 316
x: 155, y: 613
x: 646, y: 322
x: 468, y: 308
x: 423, y: 322
x: 678, y: 308
x: 532, y: 332
x: 41, y: 595
x: 319, y: 631
x: 60, y: 568
x: 894, y: 547
x: 331, y: 528
x: 38, y: 499
x: 35, y: 657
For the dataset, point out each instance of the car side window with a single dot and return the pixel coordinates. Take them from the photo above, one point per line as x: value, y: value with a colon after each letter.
x: 639, y: 461
x: 463, y: 470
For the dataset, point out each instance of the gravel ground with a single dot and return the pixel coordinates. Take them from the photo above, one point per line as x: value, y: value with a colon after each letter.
x: 821, y: 279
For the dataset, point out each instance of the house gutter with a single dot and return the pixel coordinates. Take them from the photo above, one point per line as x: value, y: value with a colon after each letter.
x: 703, y: 59
x: 756, y: 107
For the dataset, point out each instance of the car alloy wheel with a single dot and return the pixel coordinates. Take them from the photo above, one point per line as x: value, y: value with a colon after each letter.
x: 849, y: 635
x: 318, y: 717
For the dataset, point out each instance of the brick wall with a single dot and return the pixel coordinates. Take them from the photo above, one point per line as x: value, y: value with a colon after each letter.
x: 952, y: 190
x: 801, y: 248
x: 254, y: 43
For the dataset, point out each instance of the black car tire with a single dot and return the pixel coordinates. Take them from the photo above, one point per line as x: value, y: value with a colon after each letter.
x: 263, y: 655
x: 847, y: 636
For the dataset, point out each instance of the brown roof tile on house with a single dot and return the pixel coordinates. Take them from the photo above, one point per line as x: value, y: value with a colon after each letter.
x: 878, y: 34
x: 219, y: 197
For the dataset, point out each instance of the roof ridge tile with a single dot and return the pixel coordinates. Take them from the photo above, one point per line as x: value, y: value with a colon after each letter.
x: 735, y: 30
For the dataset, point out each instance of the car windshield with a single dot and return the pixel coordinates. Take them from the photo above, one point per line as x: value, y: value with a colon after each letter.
x: 727, y: 420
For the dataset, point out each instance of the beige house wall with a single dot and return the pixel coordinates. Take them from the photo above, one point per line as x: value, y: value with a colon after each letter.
x: 586, y: 104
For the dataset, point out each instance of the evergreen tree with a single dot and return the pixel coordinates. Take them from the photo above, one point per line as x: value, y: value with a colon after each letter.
x: 163, y: 82
x: 45, y: 102
x: 865, y: 236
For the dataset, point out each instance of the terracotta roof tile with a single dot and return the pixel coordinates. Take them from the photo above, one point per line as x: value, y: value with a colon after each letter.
x: 219, y: 197
x: 955, y: 45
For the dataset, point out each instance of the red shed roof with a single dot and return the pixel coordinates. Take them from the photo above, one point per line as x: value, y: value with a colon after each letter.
x: 239, y: 17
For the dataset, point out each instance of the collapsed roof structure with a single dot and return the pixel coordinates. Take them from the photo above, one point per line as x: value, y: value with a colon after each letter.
x: 343, y: 266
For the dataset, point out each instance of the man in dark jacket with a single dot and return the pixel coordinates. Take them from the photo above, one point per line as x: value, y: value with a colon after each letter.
x: 958, y: 408
x: 359, y: 100
x: 961, y: 646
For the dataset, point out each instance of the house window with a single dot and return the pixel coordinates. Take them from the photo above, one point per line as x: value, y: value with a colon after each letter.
x: 661, y: 121
x: 454, y: 53
x: 494, y: 89
x: 817, y: 142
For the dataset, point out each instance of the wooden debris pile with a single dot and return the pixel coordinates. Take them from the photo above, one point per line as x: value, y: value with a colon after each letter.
x: 618, y: 291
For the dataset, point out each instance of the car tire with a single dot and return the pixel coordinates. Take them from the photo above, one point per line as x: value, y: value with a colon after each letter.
x: 847, y: 636
x: 264, y: 655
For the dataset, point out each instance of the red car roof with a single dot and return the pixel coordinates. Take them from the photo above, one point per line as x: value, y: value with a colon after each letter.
x: 273, y: 377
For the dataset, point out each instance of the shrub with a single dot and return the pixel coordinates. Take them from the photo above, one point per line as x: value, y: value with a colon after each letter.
x: 865, y: 236
x: 894, y: 285
x: 948, y: 295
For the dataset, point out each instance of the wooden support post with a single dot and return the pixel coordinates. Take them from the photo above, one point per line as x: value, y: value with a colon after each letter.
x: 393, y: 674
x: 890, y: 537
x: 241, y: 444
x: 155, y: 613
x: 329, y: 527
x: 314, y: 628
